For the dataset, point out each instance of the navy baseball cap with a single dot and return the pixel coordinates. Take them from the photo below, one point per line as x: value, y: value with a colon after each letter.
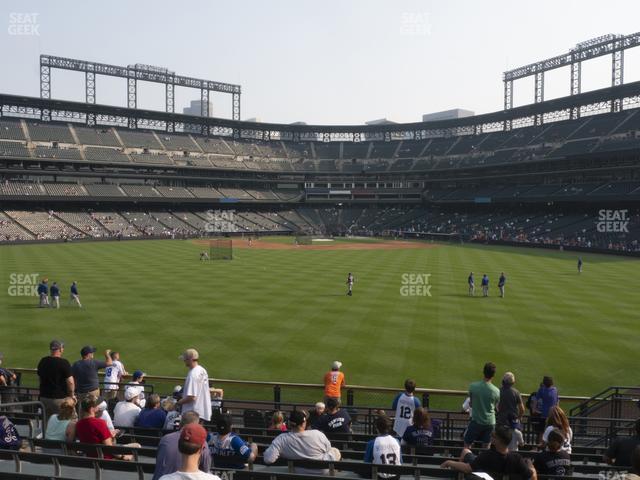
x: 138, y: 374
x: 86, y: 350
x: 56, y: 345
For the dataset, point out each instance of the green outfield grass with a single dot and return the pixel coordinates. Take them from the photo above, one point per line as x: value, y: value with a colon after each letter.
x: 283, y: 314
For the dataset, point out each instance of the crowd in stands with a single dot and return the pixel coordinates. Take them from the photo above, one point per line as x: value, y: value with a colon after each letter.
x: 75, y: 411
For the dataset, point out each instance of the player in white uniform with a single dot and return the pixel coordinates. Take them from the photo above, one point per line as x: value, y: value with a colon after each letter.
x: 112, y: 375
x: 404, y: 404
x: 384, y: 449
x: 350, y: 284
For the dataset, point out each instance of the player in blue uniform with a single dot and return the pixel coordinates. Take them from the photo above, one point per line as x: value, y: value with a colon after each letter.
x: 579, y: 264
x: 472, y: 285
x: 55, y: 295
x: 43, y: 293
x: 485, y: 285
x: 501, y: 281
x: 75, y: 297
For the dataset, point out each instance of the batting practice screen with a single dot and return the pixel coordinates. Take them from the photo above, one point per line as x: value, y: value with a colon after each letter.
x: 221, y: 249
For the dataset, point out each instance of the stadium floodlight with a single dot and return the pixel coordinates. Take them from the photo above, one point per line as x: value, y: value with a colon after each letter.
x: 610, y: 44
x: 133, y: 74
x: 597, y: 41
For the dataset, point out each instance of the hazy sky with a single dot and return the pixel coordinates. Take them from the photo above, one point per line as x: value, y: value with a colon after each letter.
x: 330, y: 61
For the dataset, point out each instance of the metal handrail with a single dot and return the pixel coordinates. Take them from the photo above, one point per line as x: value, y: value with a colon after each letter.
x: 434, y: 391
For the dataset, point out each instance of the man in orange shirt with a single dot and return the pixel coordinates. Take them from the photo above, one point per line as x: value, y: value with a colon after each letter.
x: 333, y: 382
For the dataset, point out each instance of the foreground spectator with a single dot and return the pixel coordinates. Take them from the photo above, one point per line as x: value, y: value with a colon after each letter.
x: 277, y: 422
x: 103, y: 414
x: 151, y: 416
x: 172, y: 420
x: 334, y: 419
x: 316, y: 413
x: 85, y: 372
x: 56, y: 379
x: 126, y: 411
x: 404, y: 404
x: 90, y: 429
x: 224, y: 443
x: 168, y: 459
x: 620, y: 451
x: 196, y: 395
x: 301, y: 444
x: 190, y: 442
x: 334, y: 382
x: 62, y: 425
x: 384, y: 449
x: 635, y: 466
x: 495, y: 461
x: 484, y: 397
x: 423, y: 431
x: 547, y: 397
x: 112, y: 376
x: 510, y: 403
x: 517, y: 439
x: 137, y: 379
x: 7, y: 377
x: 554, y: 460
x: 558, y: 419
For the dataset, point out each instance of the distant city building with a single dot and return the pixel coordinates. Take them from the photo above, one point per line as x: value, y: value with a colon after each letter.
x: 298, y: 123
x: 447, y: 115
x: 253, y: 119
x: 196, y: 108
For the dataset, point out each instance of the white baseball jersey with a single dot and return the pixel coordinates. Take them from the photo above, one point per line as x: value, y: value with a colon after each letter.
x: 113, y: 373
x: 404, y: 405
x: 384, y: 450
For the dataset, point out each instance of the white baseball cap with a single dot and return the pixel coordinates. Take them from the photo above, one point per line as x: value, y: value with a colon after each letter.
x: 189, y: 354
x: 131, y: 392
x: 336, y: 365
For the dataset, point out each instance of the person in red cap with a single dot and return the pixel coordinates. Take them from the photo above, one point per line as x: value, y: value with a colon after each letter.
x: 192, y: 436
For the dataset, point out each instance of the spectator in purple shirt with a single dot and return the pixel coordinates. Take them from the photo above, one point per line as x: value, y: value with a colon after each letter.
x: 547, y: 397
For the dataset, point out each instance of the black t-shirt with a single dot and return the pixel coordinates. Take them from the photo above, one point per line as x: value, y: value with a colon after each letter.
x: 621, y: 450
x: 53, y: 373
x: 553, y: 463
x: 336, y: 422
x: 491, y: 461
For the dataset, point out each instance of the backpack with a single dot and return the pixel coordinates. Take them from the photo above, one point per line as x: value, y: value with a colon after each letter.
x: 9, y: 437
